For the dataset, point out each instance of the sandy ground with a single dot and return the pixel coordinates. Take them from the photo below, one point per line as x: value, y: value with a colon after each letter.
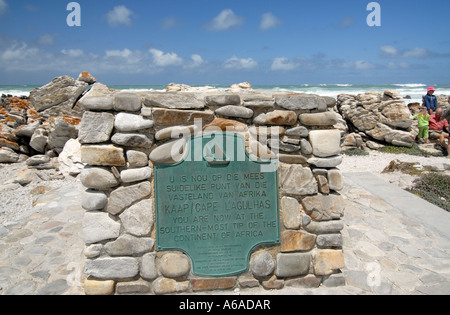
x: 16, y: 201
x: 376, y: 162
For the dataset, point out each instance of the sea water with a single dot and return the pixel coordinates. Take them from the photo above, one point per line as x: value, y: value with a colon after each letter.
x: 415, y: 91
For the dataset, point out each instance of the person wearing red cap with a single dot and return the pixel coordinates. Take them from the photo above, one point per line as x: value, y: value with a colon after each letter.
x: 430, y: 100
x: 439, y: 123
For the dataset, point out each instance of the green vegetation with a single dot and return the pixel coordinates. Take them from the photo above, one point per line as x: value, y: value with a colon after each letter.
x: 404, y: 167
x: 434, y: 188
x: 415, y: 150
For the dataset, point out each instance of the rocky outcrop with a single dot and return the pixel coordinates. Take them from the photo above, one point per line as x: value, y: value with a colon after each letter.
x: 381, y: 116
x: 175, y: 87
x: 87, y: 77
x: 7, y: 155
x: 446, y: 113
x: 45, y: 121
x: 241, y: 86
x: 58, y: 97
x: 443, y: 100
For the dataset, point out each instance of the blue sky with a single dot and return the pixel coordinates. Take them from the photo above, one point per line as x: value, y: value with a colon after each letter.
x: 264, y: 42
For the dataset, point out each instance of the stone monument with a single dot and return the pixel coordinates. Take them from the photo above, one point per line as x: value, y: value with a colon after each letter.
x: 210, y: 190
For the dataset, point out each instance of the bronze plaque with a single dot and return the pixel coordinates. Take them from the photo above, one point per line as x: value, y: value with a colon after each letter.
x: 217, y: 204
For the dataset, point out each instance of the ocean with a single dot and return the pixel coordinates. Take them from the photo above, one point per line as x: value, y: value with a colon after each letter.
x: 414, y: 91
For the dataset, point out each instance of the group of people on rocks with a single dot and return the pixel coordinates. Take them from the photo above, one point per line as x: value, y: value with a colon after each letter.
x: 431, y: 117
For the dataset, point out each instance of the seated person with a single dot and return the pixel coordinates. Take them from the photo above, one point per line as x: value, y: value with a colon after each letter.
x: 437, y: 122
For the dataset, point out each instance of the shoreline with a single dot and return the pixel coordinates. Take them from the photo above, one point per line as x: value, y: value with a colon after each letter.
x: 412, y: 93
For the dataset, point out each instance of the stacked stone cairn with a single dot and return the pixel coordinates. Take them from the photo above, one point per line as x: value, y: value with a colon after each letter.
x: 123, y: 135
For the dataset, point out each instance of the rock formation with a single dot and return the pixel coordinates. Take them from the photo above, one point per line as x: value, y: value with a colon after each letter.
x: 58, y: 97
x: 43, y: 123
x: 380, y: 116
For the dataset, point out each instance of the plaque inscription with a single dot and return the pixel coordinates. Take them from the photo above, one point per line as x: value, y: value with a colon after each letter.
x: 216, y: 210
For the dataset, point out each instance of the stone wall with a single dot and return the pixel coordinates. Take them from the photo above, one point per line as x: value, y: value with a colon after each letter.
x: 123, y: 135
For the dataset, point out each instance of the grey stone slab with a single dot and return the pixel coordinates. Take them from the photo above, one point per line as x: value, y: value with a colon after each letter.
x: 56, y: 287
x: 437, y: 289
x: 127, y: 102
x: 290, y: 265
x: 124, y: 197
x: 174, y: 101
x: 112, y: 268
x: 96, y: 127
x: 410, y: 205
x: 23, y: 287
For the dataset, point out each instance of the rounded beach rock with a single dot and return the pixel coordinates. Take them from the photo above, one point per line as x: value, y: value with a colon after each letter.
x: 235, y: 111
x: 94, y: 200
x: 129, y: 122
x: 262, y: 264
x: 174, y: 265
x: 168, y: 153
x: 98, y: 178
x: 136, y: 175
x: 176, y: 132
x: 7, y: 155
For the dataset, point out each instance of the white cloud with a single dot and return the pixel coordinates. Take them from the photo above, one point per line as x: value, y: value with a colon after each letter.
x: 240, y: 63
x: 346, y: 22
x: 389, y: 50
x: 269, y: 21
x: 136, y: 57
x: 125, y: 53
x: 19, y: 52
x: 197, y: 61
x: 363, y: 65
x: 119, y: 15
x: 283, y: 64
x: 20, y: 56
x: 74, y: 53
x: 224, y: 21
x: 415, y: 53
x: 3, y: 6
x: 46, y: 40
x: 162, y: 59
x: 357, y: 65
x: 168, y: 23
x: 398, y: 65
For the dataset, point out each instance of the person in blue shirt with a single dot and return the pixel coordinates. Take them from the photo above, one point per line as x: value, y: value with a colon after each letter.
x: 430, y: 100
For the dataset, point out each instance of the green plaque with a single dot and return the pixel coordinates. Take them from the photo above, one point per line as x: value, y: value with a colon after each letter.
x: 217, y: 204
